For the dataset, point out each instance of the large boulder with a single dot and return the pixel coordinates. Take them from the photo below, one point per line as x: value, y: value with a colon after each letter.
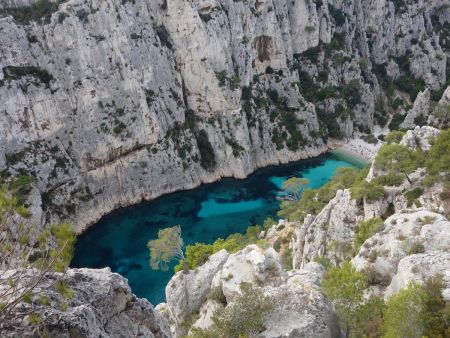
x: 102, y: 306
x: 252, y: 265
x: 187, y: 291
x: 301, y: 310
x: 404, y: 234
x: 336, y: 224
x: 419, y: 267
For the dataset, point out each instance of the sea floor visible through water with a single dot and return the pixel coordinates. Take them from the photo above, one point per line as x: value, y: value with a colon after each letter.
x: 211, y: 211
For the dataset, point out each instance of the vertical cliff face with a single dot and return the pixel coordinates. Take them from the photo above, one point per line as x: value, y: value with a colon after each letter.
x: 106, y: 103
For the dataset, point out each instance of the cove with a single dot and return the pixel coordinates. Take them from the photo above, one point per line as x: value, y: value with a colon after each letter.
x: 211, y: 211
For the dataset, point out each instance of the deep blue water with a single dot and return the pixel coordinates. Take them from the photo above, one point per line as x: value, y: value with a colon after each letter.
x: 206, y: 213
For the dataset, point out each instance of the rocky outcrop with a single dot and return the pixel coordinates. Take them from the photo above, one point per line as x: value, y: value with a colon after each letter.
x: 102, y: 305
x: 420, y: 137
x: 411, y: 245
x: 408, y: 238
x: 186, y: 292
x: 300, y: 309
x: 420, y: 267
x: 419, y: 111
x: 440, y: 116
x: 104, y: 101
x: 330, y: 232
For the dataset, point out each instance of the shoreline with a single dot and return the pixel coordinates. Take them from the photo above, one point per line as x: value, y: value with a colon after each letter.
x: 356, y: 148
x: 355, y: 151
x: 350, y: 156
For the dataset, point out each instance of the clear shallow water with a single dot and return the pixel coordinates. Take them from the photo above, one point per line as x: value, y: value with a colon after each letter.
x: 211, y: 211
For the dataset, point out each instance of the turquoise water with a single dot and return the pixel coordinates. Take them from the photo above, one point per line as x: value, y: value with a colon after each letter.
x: 206, y: 213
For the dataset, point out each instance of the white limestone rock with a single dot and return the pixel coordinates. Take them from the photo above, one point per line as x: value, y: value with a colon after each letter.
x: 252, y: 265
x: 121, y: 75
x: 336, y: 223
x: 420, y: 267
x: 300, y: 308
x: 420, y: 137
x: 404, y: 234
x: 420, y: 108
x: 102, y: 306
x: 187, y: 291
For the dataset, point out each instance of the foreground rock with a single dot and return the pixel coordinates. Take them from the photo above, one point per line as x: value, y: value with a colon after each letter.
x: 102, y: 306
x: 301, y: 310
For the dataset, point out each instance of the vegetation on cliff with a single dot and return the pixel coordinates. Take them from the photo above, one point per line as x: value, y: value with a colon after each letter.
x: 27, y: 254
x: 245, y: 317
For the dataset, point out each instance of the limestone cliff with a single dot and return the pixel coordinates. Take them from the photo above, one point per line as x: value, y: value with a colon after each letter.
x: 106, y: 103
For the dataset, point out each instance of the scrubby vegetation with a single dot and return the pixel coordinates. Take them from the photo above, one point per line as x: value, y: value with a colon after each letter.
x: 207, y: 157
x: 312, y: 201
x: 438, y: 160
x: 40, y: 11
x: 416, y: 311
x: 395, y: 158
x: 198, y: 253
x: 244, y: 317
x: 31, y: 248
x: 366, y: 230
x: 168, y: 246
x: 39, y: 74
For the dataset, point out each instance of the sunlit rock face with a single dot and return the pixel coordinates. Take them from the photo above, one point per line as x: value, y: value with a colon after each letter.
x: 104, y: 102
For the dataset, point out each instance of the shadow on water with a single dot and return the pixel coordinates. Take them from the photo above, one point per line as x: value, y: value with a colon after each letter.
x: 211, y: 211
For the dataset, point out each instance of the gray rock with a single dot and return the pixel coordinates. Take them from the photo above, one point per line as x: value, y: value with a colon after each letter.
x: 102, y: 306
x: 419, y: 267
x: 404, y: 234
x: 328, y: 233
x: 187, y: 291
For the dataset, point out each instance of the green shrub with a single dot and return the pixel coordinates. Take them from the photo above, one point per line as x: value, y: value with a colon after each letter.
x: 395, y: 158
x: 344, y: 288
x: 16, y: 73
x: 217, y: 295
x: 268, y: 223
x: 413, y: 195
x: 312, y: 201
x: 390, y: 179
x: 40, y: 11
x: 338, y: 15
x: 198, y: 253
x: 369, y: 139
x: 438, y: 160
x: 207, y: 157
x: 394, y: 136
x: 244, y: 317
x: 404, y: 313
x: 237, y: 148
x: 396, y: 121
x: 371, y: 191
x: 397, y: 103
x: 366, y: 230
